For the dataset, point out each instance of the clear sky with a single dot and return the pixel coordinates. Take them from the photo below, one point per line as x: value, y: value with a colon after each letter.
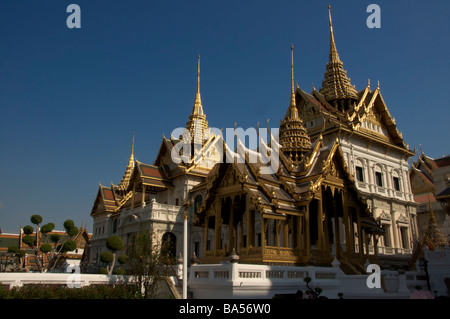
x: 70, y: 99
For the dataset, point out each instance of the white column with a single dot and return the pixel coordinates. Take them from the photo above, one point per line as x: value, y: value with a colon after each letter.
x: 185, y: 252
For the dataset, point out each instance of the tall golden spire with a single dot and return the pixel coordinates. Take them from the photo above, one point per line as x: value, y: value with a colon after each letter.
x: 334, y: 56
x: 294, y: 139
x: 198, y: 109
x: 132, y: 149
x: 336, y: 85
x: 292, y: 106
x: 123, y: 185
x: 197, y: 124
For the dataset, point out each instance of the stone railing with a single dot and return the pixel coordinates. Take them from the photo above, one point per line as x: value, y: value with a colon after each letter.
x: 155, y: 211
x: 236, y: 280
x: 19, y: 279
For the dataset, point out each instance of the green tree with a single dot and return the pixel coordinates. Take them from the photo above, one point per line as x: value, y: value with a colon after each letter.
x: 114, y: 244
x: 47, y: 244
x: 12, y: 257
x: 146, y: 265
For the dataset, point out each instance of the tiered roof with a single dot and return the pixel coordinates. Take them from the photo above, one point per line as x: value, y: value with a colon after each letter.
x: 158, y: 177
x: 293, y: 136
x: 362, y: 113
x: 336, y: 84
x: 424, y: 189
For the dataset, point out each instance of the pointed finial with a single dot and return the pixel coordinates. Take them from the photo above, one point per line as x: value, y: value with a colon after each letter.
x: 368, y: 83
x: 292, y: 68
x: 329, y: 15
x: 292, y: 106
x: 198, y: 109
x: 132, y: 144
x: 334, y: 57
x: 198, y: 74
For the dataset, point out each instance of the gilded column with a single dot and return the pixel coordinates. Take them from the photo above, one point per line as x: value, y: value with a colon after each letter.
x: 360, y: 239
x: 250, y: 228
x: 320, y: 245
x: 205, y: 236
x: 286, y: 232
x: 346, y: 223
x: 218, y: 226
x: 231, y: 230
x: 308, y: 235
x: 299, y: 232
x: 337, y: 236
x: 263, y: 233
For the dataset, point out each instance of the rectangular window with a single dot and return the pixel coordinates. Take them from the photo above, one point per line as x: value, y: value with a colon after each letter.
x: 387, y: 235
x: 259, y: 240
x: 359, y: 174
x: 115, y: 223
x: 404, y: 234
x: 396, y: 183
x: 379, y: 178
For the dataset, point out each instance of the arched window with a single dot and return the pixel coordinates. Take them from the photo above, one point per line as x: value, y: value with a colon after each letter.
x: 359, y: 171
x: 378, y: 176
x: 396, y: 180
x: 169, y: 248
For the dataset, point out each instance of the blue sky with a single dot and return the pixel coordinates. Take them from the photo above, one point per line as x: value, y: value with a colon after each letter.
x: 70, y: 99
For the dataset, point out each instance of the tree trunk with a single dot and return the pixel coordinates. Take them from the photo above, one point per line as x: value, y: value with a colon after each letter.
x: 110, y: 270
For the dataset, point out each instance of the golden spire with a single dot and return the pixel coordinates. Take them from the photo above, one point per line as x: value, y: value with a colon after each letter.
x: 334, y: 56
x: 198, y: 109
x: 292, y: 106
x: 132, y: 149
x: 197, y: 124
x: 336, y: 84
x: 293, y: 136
x: 123, y: 185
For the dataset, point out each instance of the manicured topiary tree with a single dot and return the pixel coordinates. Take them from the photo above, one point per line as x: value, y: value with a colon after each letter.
x: 49, y: 244
x: 114, y: 244
x: 13, y: 257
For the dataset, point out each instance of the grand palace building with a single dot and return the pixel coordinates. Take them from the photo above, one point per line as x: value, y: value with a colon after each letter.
x: 341, y: 188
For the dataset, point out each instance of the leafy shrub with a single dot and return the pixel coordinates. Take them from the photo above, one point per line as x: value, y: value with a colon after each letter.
x: 28, y: 230
x: 119, y: 271
x: 114, y: 243
x: 63, y: 292
x: 36, y: 219
x: 47, y: 228
x: 46, y: 248
x: 106, y: 257
x: 123, y: 259
x: 103, y: 271
x: 69, y: 245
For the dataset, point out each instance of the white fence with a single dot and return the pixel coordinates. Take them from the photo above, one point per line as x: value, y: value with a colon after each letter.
x: 234, y: 280
x: 18, y: 279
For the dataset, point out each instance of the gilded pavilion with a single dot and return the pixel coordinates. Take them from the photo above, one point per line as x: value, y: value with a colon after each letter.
x: 150, y: 196
x: 374, y: 151
x: 341, y: 189
x: 296, y: 215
